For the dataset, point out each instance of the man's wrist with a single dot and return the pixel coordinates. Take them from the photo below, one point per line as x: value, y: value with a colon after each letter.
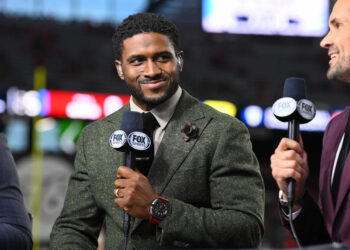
x: 159, y: 209
x: 297, y: 204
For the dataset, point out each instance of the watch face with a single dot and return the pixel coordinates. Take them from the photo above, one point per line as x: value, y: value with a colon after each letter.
x: 159, y: 209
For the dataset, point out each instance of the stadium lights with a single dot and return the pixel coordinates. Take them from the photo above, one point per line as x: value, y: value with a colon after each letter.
x: 93, y: 106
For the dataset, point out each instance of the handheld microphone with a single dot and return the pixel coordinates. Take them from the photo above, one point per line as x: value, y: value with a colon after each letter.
x: 130, y: 139
x: 295, y: 109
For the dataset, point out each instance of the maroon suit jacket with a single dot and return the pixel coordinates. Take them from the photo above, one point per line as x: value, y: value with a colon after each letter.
x: 323, y: 222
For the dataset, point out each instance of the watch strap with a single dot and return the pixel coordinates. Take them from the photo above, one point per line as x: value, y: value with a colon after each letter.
x: 284, y: 203
x: 151, y: 218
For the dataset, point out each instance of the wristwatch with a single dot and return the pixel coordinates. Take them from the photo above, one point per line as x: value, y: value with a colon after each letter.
x: 159, y: 209
x: 283, y: 202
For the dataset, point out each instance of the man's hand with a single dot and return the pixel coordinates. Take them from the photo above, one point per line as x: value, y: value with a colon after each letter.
x: 290, y: 161
x: 135, y: 194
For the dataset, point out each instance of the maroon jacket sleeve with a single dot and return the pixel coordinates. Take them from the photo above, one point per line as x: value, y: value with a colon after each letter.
x: 309, y: 224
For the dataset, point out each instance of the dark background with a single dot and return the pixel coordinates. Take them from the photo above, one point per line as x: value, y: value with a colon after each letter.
x: 242, y: 69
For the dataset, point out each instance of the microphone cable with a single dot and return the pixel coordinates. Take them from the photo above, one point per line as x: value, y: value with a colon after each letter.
x: 126, y: 140
x: 293, y: 133
x: 126, y: 226
x: 129, y: 161
x: 293, y: 108
x: 290, y: 195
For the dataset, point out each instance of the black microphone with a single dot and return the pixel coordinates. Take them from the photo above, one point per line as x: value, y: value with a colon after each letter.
x: 295, y: 109
x: 130, y: 139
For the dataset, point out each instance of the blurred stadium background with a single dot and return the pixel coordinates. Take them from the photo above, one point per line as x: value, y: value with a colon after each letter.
x: 57, y: 75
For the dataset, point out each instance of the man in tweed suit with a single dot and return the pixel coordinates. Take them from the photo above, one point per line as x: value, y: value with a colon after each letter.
x: 206, y: 176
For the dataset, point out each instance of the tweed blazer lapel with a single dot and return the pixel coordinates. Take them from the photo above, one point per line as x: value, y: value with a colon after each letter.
x: 173, y: 150
x: 112, y: 124
x: 116, y: 117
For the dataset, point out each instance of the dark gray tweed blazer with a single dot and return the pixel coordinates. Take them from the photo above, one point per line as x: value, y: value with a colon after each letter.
x: 213, y: 183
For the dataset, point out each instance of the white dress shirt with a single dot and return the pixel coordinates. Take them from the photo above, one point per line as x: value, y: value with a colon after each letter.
x: 162, y: 113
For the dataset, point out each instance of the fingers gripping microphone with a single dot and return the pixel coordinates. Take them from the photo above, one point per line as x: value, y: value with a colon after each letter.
x: 129, y: 139
x: 295, y: 109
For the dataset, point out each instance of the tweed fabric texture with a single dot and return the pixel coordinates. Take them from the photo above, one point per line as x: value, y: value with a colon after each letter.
x: 213, y: 183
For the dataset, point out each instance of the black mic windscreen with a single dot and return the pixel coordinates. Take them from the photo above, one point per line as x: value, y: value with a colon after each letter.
x: 295, y: 88
x: 131, y: 121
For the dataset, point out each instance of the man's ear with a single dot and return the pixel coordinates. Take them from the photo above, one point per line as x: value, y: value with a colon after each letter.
x: 118, y: 66
x: 180, y: 60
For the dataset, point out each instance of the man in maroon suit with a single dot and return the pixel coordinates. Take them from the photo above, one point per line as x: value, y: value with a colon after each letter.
x: 328, y: 220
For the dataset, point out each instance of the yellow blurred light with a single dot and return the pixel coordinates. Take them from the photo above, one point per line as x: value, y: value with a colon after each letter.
x: 223, y: 106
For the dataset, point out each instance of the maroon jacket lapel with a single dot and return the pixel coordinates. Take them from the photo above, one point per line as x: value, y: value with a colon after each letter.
x: 331, y: 141
x: 345, y: 178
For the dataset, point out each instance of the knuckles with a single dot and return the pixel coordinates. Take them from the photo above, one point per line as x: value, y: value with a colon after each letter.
x: 291, y: 154
x: 294, y: 164
x: 272, y: 158
x: 284, y: 141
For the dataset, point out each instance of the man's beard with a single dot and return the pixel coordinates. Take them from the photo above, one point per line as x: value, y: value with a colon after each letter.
x: 340, y: 71
x: 137, y: 93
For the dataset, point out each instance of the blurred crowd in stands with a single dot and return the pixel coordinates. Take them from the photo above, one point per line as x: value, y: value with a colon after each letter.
x: 240, y: 69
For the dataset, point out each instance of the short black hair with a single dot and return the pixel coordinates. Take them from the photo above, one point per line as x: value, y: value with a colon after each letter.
x: 141, y: 23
